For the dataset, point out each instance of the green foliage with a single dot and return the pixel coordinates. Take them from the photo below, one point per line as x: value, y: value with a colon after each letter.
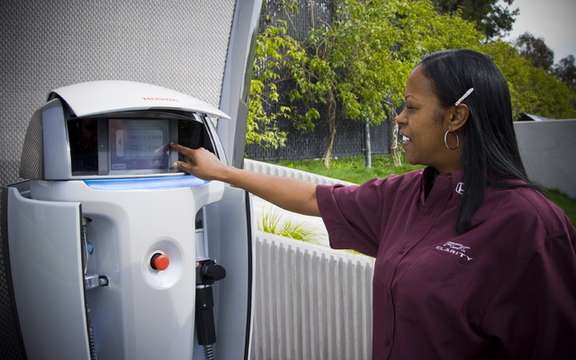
x: 270, y: 223
x: 491, y: 17
x: 278, y: 59
x: 533, y: 90
x: 371, y: 47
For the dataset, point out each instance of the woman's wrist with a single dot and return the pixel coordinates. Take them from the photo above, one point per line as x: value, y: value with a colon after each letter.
x: 228, y: 175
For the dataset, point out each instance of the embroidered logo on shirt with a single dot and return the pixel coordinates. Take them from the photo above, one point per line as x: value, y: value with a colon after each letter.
x: 455, y: 249
x: 460, y: 188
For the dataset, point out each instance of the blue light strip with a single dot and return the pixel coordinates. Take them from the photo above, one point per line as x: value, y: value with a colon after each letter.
x: 147, y: 183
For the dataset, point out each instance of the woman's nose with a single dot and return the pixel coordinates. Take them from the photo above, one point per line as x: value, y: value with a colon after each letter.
x: 398, y: 119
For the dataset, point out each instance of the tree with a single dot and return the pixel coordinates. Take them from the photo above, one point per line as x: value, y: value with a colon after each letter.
x: 492, y: 17
x: 565, y: 70
x: 280, y: 64
x: 532, y: 89
x: 535, y: 50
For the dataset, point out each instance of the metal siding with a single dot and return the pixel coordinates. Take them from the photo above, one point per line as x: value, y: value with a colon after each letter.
x: 310, y: 302
x: 546, y: 148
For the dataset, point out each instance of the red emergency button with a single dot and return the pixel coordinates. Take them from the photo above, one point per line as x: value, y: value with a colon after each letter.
x: 159, y: 261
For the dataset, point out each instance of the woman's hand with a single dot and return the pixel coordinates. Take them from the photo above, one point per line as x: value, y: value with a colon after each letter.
x: 287, y: 193
x: 200, y: 162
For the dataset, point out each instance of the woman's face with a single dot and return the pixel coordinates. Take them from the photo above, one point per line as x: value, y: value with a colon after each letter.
x: 421, y: 124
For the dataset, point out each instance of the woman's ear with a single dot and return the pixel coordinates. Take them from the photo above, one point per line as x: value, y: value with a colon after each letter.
x: 458, y: 116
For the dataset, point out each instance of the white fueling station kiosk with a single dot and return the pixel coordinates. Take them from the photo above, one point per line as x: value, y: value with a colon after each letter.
x: 113, y: 254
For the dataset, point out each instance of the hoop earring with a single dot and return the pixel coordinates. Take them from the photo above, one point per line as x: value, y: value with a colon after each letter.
x: 446, y: 141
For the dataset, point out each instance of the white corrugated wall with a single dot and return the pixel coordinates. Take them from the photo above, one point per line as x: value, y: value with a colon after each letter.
x: 310, y: 302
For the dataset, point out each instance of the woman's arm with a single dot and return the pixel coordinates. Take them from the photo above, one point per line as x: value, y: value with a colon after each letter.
x: 293, y: 195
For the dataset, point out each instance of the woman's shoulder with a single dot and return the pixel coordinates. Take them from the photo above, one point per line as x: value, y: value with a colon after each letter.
x: 523, y: 205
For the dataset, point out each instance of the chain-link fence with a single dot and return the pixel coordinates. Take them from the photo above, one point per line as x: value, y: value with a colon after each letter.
x: 350, y: 140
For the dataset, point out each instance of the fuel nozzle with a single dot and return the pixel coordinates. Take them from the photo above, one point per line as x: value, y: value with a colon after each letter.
x: 207, y: 272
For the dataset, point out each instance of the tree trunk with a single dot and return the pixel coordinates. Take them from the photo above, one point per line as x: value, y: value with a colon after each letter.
x: 331, y: 128
x: 368, y: 145
x: 394, y: 146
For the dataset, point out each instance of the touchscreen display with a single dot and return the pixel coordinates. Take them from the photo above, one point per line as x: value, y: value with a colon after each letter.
x: 139, y: 144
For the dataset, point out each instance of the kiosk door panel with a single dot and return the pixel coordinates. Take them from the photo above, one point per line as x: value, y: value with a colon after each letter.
x: 46, y: 262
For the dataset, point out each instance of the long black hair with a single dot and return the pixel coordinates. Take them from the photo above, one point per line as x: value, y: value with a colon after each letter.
x: 490, y: 154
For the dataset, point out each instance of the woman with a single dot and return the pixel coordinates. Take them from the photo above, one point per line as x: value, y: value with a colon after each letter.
x: 472, y: 262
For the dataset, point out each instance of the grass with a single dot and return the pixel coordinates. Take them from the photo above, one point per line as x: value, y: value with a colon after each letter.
x: 352, y: 169
x: 270, y: 223
x: 565, y: 202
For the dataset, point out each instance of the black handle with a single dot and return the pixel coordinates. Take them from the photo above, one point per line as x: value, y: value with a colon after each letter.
x: 205, y: 329
x: 207, y: 272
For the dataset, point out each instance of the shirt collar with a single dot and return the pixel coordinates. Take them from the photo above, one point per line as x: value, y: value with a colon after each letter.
x: 443, y: 187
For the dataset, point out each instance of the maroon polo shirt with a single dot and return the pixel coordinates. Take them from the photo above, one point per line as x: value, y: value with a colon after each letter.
x: 506, y: 289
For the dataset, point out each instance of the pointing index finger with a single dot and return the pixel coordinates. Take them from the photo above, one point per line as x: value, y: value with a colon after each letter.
x: 180, y: 149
